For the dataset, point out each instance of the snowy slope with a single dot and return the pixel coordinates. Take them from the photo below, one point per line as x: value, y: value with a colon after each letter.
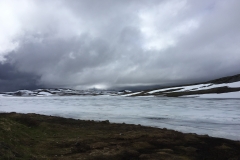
x: 227, y: 87
x: 198, y: 87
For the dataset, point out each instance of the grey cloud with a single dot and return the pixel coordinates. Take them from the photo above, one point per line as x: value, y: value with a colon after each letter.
x: 91, y: 43
x: 11, y: 79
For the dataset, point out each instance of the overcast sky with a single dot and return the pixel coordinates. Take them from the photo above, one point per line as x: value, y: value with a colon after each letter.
x: 115, y: 43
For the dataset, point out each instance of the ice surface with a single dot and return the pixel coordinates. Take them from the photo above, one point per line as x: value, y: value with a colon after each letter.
x: 215, y: 95
x: 146, y: 96
x: 215, y: 117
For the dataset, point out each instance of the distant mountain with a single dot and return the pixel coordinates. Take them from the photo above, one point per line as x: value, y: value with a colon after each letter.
x: 226, y: 87
x: 59, y: 92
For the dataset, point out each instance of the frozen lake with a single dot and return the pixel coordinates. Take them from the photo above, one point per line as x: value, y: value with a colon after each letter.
x: 215, y: 117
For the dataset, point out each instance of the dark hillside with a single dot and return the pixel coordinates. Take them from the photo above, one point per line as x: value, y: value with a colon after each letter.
x: 228, y: 79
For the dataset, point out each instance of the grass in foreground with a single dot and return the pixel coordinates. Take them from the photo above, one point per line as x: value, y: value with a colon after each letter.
x: 33, y: 136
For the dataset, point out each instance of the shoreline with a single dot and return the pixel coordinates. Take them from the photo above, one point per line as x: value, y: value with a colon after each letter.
x: 35, y: 136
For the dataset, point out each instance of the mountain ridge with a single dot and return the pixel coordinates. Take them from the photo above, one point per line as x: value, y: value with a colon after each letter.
x: 225, y: 87
x: 220, y: 86
x: 58, y: 92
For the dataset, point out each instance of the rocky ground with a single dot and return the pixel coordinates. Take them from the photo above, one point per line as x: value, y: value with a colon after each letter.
x: 33, y: 136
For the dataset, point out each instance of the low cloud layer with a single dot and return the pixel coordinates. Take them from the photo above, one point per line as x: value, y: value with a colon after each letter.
x: 102, y: 44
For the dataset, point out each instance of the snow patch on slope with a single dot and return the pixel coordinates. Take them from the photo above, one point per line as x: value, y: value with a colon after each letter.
x: 208, y: 86
x: 44, y: 94
x: 131, y: 94
x: 230, y: 92
x: 162, y: 90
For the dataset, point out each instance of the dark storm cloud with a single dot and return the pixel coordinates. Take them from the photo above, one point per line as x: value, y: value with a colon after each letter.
x: 11, y: 79
x: 119, y: 43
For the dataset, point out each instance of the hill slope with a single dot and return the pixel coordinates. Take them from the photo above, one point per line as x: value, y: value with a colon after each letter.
x: 226, y: 87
